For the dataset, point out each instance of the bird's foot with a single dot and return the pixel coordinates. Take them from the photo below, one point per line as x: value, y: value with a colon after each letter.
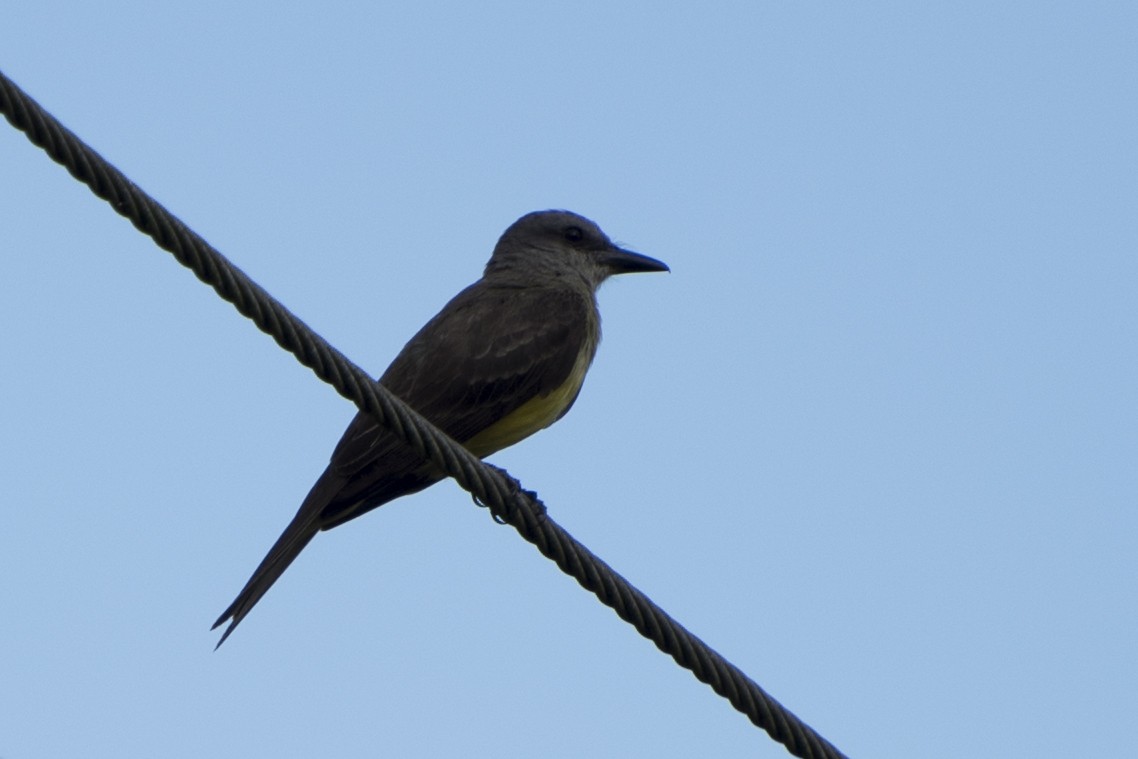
x: 515, y: 489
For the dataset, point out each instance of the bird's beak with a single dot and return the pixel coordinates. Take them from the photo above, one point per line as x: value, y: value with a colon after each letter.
x: 621, y: 261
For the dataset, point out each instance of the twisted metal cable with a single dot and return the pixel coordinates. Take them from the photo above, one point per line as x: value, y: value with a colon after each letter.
x: 489, y: 485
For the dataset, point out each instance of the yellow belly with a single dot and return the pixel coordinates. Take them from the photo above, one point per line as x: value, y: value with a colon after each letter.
x: 533, y: 415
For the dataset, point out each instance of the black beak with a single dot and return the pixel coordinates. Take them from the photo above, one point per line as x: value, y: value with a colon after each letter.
x: 622, y: 261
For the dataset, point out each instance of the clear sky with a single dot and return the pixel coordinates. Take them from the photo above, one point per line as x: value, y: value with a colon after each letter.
x: 874, y: 438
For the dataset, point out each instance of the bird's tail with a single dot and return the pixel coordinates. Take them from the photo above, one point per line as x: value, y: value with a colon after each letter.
x: 288, y: 546
x: 292, y: 541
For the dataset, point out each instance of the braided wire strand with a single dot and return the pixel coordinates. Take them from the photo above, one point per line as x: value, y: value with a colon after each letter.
x: 490, y: 486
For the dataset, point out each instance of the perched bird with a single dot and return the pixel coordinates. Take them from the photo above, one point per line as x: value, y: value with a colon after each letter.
x: 504, y: 359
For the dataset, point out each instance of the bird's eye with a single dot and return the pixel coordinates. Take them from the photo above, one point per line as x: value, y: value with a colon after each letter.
x: 574, y: 234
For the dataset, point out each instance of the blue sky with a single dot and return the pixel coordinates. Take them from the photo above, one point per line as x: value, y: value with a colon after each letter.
x: 874, y: 437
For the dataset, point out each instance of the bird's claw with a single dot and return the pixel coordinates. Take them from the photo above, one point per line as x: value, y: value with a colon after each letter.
x: 515, y: 490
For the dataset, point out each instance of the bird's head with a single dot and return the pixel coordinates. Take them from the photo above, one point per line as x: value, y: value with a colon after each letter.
x: 562, y: 244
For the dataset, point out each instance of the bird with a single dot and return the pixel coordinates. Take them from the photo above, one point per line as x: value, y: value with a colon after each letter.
x: 505, y: 358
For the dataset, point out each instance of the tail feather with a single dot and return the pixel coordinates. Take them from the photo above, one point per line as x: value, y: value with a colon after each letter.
x: 331, y: 502
x: 298, y: 534
x: 288, y: 546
